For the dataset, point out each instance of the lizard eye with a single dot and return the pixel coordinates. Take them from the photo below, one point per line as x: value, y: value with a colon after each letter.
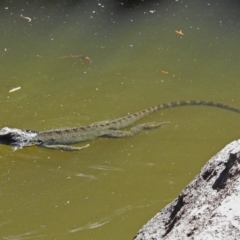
x: 39, y: 142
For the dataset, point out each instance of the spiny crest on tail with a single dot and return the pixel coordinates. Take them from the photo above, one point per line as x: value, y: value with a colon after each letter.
x: 194, y: 102
x: 174, y: 104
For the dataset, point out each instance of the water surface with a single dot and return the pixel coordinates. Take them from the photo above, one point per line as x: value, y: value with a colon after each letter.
x: 109, y: 190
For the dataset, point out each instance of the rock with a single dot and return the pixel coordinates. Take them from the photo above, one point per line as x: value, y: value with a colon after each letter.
x: 208, y: 208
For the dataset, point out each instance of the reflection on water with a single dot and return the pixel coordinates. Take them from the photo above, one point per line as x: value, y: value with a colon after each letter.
x: 106, y: 168
x: 138, y: 61
x: 101, y: 222
x: 9, y: 99
x: 86, y: 176
x: 27, y: 235
x: 104, y: 220
x: 4, y: 223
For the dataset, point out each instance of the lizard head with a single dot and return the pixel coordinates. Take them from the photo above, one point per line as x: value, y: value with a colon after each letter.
x: 16, y: 137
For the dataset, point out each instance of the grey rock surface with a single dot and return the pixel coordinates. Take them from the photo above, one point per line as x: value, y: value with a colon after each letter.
x: 208, y: 208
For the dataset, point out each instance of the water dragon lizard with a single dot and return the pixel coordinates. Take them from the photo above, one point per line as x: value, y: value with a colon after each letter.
x: 62, y: 138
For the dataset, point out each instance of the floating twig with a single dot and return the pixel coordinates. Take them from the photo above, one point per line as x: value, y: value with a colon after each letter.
x: 15, y: 89
x: 28, y: 18
x: 164, y: 72
x: 179, y: 32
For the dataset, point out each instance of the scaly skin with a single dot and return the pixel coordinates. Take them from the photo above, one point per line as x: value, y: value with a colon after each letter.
x: 62, y: 138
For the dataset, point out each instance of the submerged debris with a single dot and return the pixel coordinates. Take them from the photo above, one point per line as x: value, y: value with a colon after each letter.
x: 86, y: 58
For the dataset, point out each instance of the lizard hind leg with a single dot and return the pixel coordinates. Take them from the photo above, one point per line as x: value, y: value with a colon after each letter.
x: 133, y: 131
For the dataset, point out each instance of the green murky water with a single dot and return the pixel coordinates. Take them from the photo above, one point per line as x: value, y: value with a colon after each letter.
x: 109, y: 190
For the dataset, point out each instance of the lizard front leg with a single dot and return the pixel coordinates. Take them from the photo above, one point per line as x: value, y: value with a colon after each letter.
x: 64, y: 147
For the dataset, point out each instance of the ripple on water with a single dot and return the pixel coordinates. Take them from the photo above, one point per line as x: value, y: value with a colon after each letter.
x: 106, y: 168
x: 86, y: 176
